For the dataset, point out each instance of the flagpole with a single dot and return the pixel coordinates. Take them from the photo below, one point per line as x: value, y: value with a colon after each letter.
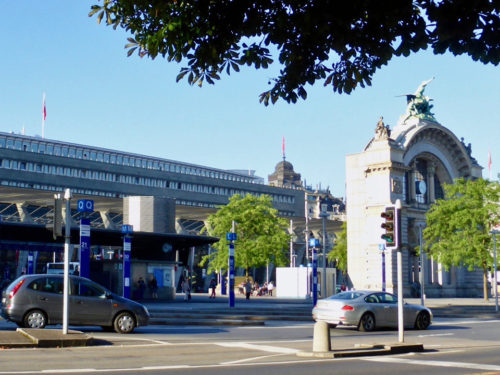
x: 44, y: 114
x: 489, y: 163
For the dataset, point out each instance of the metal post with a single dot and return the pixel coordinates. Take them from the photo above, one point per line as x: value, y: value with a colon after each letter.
x: 291, y: 244
x: 422, y: 266
x: 383, y: 269
x: 67, y: 244
x: 397, y: 218
x: 307, y: 245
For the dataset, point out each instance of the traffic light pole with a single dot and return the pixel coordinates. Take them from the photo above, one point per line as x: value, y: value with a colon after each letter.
x: 397, y: 224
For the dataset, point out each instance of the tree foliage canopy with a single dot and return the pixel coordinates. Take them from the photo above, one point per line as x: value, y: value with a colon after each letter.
x: 339, y: 252
x: 458, y: 226
x: 341, y: 43
x: 262, y: 235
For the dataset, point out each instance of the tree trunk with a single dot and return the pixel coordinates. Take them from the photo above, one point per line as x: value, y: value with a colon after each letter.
x: 485, y: 284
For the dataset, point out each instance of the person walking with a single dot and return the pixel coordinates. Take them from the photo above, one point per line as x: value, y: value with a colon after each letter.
x: 270, y: 288
x: 248, y: 289
x: 153, y: 287
x: 141, y: 286
x: 186, y: 289
x: 212, y: 286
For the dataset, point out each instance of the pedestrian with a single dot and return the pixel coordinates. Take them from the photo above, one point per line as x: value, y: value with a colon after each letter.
x: 248, y: 289
x: 153, y: 287
x: 141, y: 287
x: 186, y: 289
x: 213, y: 284
x: 270, y: 288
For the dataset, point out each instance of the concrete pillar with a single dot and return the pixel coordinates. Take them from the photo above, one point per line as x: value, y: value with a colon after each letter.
x: 431, y: 170
x: 321, y: 339
x: 23, y: 214
x: 411, y: 183
x: 106, y: 220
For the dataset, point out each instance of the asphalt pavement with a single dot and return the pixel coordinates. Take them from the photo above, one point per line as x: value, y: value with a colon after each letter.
x: 202, y: 310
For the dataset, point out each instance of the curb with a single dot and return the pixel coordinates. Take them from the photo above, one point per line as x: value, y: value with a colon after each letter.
x: 365, y: 350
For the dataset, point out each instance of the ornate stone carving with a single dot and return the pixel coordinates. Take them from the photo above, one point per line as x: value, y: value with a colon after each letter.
x: 397, y: 185
x: 419, y: 105
x: 382, y: 131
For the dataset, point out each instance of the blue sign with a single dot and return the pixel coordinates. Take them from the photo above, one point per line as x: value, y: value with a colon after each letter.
x: 85, y: 205
x: 127, y: 229
x: 231, y: 236
x: 31, y: 263
x: 85, y: 247
x: 127, y: 247
x: 314, y: 242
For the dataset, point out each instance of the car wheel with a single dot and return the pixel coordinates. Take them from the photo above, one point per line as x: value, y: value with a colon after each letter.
x: 423, y: 320
x: 124, y: 323
x: 367, y: 323
x: 35, y: 319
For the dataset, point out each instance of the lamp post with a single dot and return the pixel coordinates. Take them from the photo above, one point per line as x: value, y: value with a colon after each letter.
x: 420, y: 227
x: 324, y: 215
x: 494, y: 232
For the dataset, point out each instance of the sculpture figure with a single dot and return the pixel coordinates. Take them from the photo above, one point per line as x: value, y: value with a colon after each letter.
x: 382, y: 131
x: 418, y: 104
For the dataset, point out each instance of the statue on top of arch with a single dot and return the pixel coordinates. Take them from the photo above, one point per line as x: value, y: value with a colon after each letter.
x: 419, y: 105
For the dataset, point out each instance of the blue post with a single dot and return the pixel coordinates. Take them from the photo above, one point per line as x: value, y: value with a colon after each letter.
x: 85, y: 247
x: 231, y: 237
x: 127, y: 249
x: 126, y: 265
x: 85, y: 206
x: 231, y: 275
x: 315, y: 276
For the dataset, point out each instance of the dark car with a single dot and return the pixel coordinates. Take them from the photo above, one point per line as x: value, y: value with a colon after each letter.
x: 34, y: 301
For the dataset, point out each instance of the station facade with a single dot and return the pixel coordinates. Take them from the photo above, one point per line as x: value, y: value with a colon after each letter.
x: 409, y: 163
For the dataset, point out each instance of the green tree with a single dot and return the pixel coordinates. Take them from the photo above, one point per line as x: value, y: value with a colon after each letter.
x: 458, y: 226
x: 339, y: 252
x: 341, y: 43
x: 262, y: 235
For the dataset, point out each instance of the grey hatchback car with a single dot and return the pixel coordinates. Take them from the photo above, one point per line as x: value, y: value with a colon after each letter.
x: 34, y: 301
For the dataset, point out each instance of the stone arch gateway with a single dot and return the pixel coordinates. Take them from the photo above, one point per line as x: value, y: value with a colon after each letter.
x: 410, y: 163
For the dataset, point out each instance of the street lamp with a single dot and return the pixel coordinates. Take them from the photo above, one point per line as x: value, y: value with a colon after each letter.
x: 324, y: 215
x: 420, y: 227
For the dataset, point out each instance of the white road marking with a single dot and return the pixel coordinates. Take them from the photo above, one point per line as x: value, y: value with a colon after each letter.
x: 249, y: 359
x: 264, y: 348
x: 437, y: 334
x: 462, y: 322
x: 465, y: 365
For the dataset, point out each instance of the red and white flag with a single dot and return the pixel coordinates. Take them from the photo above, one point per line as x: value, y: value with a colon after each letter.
x: 44, y: 116
x: 44, y: 109
x: 489, y: 162
x: 283, y: 147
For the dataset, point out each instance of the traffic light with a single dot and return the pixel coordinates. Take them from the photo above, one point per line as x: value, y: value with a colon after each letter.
x: 390, y: 226
x: 58, y: 219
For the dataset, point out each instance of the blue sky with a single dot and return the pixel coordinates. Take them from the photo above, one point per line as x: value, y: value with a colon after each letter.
x: 97, y: 95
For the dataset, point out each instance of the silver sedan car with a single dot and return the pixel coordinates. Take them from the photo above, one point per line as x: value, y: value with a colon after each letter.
x: 34, y: 301
x: 368, y: 310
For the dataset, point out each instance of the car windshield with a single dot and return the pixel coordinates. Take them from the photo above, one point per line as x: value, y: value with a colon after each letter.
x: 346, y: 295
